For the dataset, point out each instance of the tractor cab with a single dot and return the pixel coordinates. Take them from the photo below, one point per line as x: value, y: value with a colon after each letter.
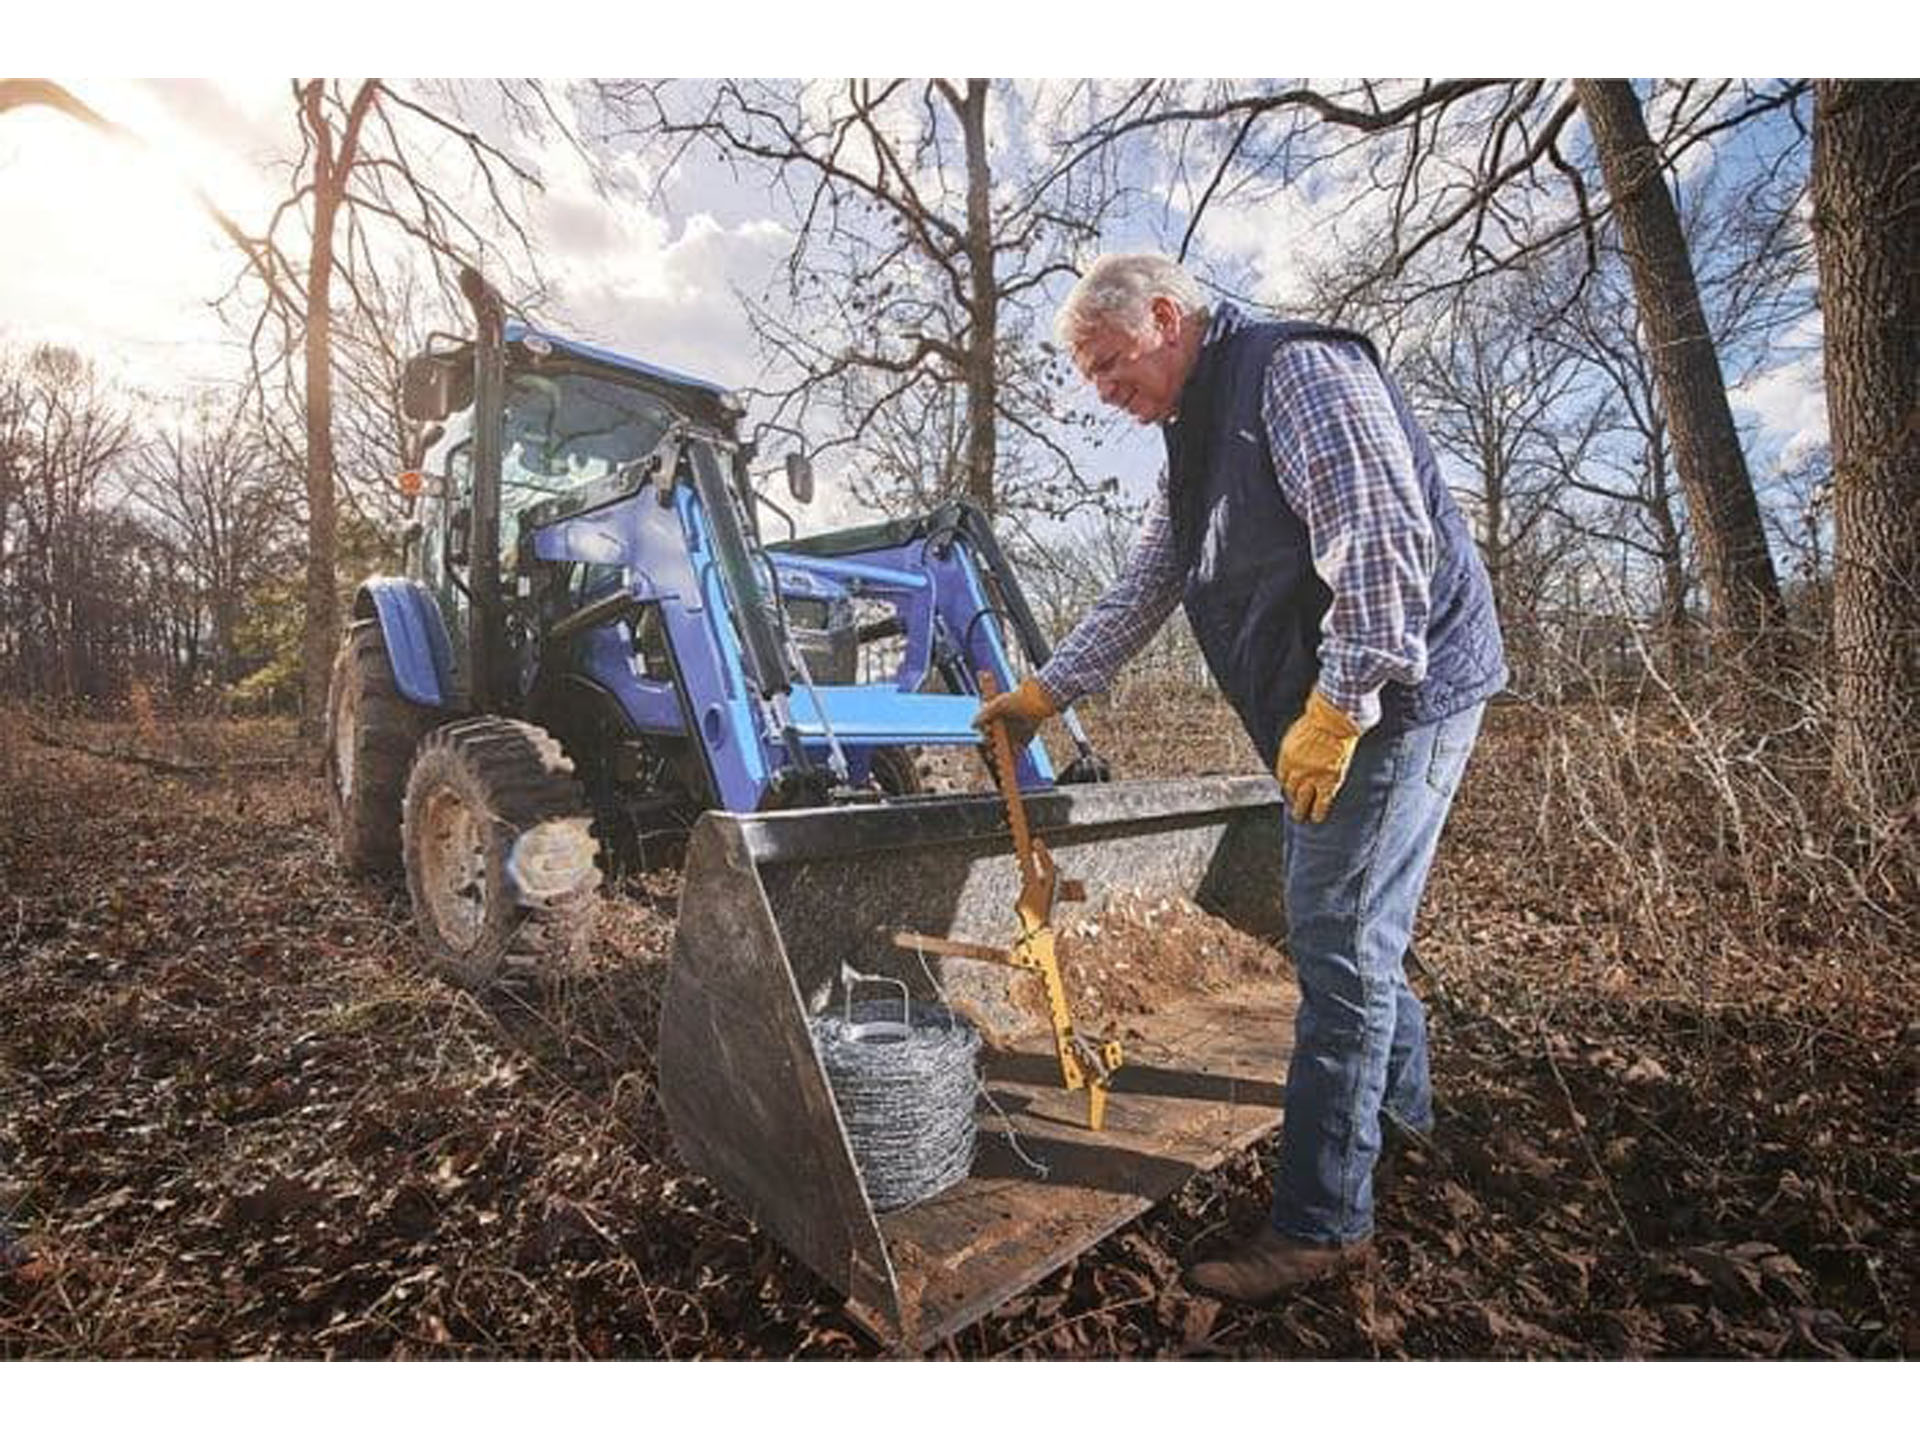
x: 574, y: 421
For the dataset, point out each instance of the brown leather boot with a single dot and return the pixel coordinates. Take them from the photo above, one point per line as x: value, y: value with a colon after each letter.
x: 1268, y: 1264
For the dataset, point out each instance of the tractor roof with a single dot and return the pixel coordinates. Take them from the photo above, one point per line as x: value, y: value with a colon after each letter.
x: 594, y: 355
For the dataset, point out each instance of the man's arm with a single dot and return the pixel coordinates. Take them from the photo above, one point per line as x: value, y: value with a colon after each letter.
x: 1122, y: 620
x: 1347, y: 470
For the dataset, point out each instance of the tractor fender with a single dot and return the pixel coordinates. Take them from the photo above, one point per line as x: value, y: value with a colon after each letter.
x: 416, y: 636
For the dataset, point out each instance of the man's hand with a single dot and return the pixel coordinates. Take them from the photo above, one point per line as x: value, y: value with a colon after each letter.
x: 1314, y: 756
x: 1021, y: 710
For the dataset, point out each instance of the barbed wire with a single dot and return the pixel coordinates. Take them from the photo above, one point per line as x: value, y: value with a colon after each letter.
x: 904, y: 1074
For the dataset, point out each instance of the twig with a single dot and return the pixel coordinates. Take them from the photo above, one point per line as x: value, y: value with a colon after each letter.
x: 161, y: 762
x: 1712, y: 1172
x: 1580, y: 1133
x: 646, y: 1290
x: 1066, y: 1320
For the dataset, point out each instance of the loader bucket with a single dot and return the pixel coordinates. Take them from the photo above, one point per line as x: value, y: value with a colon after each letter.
x: 774, y: 903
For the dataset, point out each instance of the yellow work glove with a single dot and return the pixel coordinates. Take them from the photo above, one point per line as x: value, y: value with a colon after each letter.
x: 1314, y: 755
x: 1021, y: 710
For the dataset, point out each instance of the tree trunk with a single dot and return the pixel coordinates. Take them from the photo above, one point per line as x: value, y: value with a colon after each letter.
x: 1676, y: 627
x: 1493, y: 544
x: 317, y: 638
x: 983, y: 305
x: 332, y: 170
x: 1866, y: 224
x: 1734, y: 557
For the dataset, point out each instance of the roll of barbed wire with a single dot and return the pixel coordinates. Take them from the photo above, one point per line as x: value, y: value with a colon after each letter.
x: 904, y: 1075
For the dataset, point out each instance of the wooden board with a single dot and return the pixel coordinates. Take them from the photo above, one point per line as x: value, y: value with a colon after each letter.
x: 1203, y: 1081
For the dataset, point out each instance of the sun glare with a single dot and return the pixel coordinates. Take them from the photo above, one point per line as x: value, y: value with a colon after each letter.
x: 105, y: 246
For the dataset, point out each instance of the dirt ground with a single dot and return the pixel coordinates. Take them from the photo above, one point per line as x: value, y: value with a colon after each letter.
x: 237, y: 1120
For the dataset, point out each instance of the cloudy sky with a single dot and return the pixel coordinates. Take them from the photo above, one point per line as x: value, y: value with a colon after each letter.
x: 102, y: 247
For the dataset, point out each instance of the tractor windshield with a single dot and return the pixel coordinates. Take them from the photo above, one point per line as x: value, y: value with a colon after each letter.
x: 564, y: 430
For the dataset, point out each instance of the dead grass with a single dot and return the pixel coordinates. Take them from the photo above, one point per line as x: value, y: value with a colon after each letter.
x: 235, y: 1119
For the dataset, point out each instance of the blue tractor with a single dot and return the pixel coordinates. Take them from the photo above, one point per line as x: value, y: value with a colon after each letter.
x: 596, y: 645
x: 595, y: 642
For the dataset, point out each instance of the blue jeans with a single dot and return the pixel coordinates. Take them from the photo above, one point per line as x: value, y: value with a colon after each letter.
x: 1360, y: 1040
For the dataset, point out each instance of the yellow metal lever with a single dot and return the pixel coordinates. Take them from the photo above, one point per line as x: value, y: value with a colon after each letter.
x: 1083, y: 1065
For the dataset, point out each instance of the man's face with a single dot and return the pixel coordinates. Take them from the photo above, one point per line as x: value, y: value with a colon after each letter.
x: 1140, y: 372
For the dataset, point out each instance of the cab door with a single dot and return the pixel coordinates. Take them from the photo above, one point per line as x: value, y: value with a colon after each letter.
x: 443, y: 557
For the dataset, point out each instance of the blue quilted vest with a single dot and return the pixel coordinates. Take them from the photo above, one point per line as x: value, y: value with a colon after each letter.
x: 1252, y: 595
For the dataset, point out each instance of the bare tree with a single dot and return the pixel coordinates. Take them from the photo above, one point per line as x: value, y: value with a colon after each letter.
x: 919, y: 265
x: 1064, y: 573
x: 1755, y: 284
x: 372, y: 344
x: 16, y: 444
x: 1866, y: 194
x: 210, y: 487
x: 1473, y: 177
x: 66, y: 433
x: 1707, y: 453
x: 359, y: 185
x: 1497, y: 397
x: 1629, y: 466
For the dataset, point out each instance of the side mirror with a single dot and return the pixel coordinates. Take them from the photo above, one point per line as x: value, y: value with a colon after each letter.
x: 799, y: 476
x: 432, y: 387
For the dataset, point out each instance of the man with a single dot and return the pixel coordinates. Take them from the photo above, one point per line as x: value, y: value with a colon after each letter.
x: 1337, y: 594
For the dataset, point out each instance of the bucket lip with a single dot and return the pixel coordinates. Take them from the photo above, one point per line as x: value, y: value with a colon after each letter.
x: 924, y: 822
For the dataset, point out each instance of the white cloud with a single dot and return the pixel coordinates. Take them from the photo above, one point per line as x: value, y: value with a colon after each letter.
x: 1789, y: 403
x: 1285, y: 234
x: 669, y: 299
x: 105, y: 248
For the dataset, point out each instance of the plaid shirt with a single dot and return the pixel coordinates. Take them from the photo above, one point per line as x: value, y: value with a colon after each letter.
x: 1346, y: 470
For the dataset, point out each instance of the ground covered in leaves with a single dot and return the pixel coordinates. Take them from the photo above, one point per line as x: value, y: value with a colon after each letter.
x: 236, y: 1119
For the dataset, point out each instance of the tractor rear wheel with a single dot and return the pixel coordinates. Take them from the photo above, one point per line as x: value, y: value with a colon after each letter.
x: 371, y: 734
x: 501, y: 861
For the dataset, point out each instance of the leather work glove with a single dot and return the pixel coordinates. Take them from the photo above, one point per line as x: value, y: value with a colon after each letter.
x: 1021, y: 710
x: 1314, y: 755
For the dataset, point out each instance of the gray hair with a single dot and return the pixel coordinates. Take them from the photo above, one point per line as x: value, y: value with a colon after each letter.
x: 1120, y: 290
